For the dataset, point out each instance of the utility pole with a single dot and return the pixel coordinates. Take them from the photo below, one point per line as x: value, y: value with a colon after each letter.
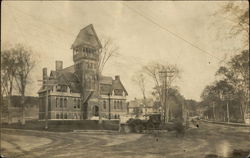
x: 166, y: 74
x: 46, y: 101
x: 109, y: 106
x: 99, y: 97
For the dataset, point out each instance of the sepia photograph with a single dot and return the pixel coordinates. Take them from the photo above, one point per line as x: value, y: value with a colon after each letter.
x: 125, y: 79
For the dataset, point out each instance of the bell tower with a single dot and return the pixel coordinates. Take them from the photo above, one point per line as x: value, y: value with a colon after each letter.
x: 86, y: 53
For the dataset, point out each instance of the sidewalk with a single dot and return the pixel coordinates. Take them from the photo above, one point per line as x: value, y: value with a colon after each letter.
x: 226, y: 123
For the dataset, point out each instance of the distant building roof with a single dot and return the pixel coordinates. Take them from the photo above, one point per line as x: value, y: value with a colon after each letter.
x: 148, y: 103
x: 87, y: 36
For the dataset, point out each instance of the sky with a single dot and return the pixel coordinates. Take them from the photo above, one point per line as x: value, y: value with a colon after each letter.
x: 145, y: 32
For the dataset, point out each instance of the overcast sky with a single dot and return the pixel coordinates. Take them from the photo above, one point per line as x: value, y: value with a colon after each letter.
x: 141, y: 33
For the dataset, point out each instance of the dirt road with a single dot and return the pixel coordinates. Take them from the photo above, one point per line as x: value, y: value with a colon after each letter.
x: 196, y: 143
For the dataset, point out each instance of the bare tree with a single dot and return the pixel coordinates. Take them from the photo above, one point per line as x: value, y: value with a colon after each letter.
x: 108, y: 50
x: 8, y: 71
x: 237, y: 14
x: 153, y: 70
x: 24, y: 65
x: 139, y: 79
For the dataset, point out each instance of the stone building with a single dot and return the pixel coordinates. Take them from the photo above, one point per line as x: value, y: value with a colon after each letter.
x: 78, y: 92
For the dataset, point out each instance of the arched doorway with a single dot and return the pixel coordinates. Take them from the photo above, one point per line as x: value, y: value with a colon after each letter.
x: 96, y: 110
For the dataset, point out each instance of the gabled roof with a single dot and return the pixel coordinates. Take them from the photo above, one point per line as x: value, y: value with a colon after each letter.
x: 87, y: 36
x: 112, y: 84
x: 117, y: 84
x: 69, y: 69
x: 65, y: 76
x: 106, y: 80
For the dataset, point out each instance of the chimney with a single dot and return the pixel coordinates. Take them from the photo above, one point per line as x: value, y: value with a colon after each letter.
x: 117, y: 77
x: 59, y: 65
x: 45, y: 76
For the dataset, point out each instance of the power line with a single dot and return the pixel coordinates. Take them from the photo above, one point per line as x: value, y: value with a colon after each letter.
x: 21, y: 30
x: 39, y: 20
x: 176, y: 35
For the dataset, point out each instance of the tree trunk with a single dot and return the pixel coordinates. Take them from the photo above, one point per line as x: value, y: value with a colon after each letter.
x: 23, y: 109
x: 8, y: 108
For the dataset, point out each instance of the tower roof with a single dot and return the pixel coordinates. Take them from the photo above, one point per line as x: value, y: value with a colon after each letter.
x: 87, y: 36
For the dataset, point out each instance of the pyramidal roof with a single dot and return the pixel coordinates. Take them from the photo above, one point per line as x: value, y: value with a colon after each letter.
x: 87, y: 36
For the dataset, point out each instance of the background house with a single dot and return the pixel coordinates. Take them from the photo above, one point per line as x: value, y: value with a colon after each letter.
x: 140, y: 107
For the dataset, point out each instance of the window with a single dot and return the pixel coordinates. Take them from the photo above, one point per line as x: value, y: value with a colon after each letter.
x: 75, y: 103
x: 65, y: 116
x: 57, y: 116
x: 114, y: 104
x: 61, y: 88
x: 76, y: 51
x: 118, y: 92
x: 61, y: 102
x: 78, y: 103
x: 57, y: 102
x: 49, y: 103
x: 104, y: 104
x: 61, y: 115
x: 120, y: 104
x: 65, y: 102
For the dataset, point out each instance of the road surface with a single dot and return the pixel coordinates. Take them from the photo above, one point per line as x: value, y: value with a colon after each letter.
x: 206, y: 140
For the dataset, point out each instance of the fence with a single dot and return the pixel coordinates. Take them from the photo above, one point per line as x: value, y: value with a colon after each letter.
x: 66, y: 125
